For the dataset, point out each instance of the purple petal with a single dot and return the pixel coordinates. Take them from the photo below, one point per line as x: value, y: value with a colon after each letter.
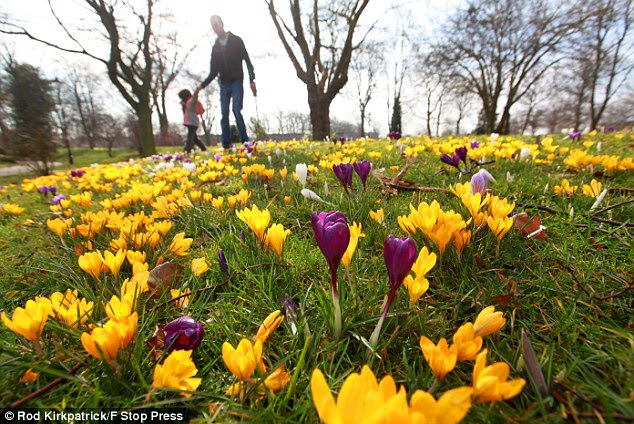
x: 479, y: 183
x: 184, y: 333
x: 399, y: 255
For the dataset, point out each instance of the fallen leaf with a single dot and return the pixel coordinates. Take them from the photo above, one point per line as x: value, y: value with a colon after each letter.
x: 79, y: 249
x: 528, y: 226
x: 532, y: 365
x: 163, y: 278
x: 156, y: 343
x: 503, y: 299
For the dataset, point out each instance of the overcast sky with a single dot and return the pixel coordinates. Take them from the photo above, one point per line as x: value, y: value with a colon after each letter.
x: 278, y: 86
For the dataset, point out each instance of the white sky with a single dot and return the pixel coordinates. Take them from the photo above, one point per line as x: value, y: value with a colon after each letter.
x: 278, y: 86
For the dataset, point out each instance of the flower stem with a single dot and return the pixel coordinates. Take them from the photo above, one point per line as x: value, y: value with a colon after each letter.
x: 433, y: 387
x: 374, y: 338
x: 337, y: 324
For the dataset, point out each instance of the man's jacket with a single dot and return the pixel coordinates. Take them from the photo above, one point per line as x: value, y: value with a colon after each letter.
x: 226, y: 61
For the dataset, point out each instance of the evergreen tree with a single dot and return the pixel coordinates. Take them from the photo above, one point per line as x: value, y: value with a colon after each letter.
x: 395, y: 123
x: 32, y: 106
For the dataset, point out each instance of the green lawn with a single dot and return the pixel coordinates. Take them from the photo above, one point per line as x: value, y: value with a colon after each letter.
x: 569, y: 292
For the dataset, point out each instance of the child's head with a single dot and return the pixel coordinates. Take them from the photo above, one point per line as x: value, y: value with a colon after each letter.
x: 184, y: 95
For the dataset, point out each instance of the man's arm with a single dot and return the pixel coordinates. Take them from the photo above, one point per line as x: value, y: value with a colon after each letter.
x: 250, y: 69
x: 213, y: 72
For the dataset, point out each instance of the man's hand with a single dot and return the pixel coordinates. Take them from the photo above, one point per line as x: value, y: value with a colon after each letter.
x: 254, y: 88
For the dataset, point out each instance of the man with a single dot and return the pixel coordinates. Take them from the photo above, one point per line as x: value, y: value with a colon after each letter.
x: 227, y: 55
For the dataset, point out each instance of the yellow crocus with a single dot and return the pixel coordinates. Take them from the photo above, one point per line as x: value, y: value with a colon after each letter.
x: 135, y: 256
x: 180, y: 244
x: 461, y: 239
x: 355, y: 233
x: 490, y: 382
x: 30, y: 320
x: 114, y: 261
x: 256, y: 219
x: 500, y: 226
x: 565, y: 189
x: 474, y: 203
x: 58, y: 225
x: 488, y: 322
x: 500, y: 208
x: 183, y: 301
x: 242, y: 360
x: 418, y: 285
x: 177, y: 372
x: 120, y: 309
x: 275, y: 238
x: 468, y: 344
x: 441, y: 358
x: 29, y: 376
x: 12, y: 208
x: 92, y: 263
x: 199, y: 266
x: 461, y: 189
x: 277, y: 379
x: 592, y: 190
x: 406, y: 224
x: 378, y: 216
x: 105, y: 342
x: 450, y: 408
x: 69, y: 309
x: 271, y: 322
x: 361, y: 399
x: 218, y: 202
x: 283, y: 173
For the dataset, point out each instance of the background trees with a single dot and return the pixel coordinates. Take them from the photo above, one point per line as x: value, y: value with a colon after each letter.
x: 320, y: 40
x: 32, y: 105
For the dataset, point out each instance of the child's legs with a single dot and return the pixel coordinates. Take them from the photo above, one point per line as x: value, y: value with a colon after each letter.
x: 191, y: 138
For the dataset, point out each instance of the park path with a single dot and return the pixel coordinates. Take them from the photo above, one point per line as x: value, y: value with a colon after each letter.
x: 20, y: 169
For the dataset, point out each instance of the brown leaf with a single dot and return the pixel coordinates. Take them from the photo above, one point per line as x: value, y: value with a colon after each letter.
x: 79, y: 249
x: 156, y: 343
x: 528, y: 226
x: 503, y: 299
x: 597, y: 245
x: 163, y: 278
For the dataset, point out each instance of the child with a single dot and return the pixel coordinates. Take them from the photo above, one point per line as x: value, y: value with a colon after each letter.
x: 191, y: 110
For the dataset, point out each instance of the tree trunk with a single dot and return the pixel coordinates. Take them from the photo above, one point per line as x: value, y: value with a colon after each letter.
x: 319, y: 116
x: 144, y: 115
x: 164, y: 126
x: 458, y: 122
x: 362, y: 126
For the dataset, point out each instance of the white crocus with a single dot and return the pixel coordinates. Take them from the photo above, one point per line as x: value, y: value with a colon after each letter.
x: 302, y: 172
x: 189, y: 166
x: 326, y: 188
x: 494, y: 137
x: 599, y: 200
x: 309, y: 194
x: 525, y: 153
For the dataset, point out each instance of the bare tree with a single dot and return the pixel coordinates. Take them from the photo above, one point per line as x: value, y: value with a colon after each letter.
x: 323, y: 38
x: 130, y: 63
x: 501, y: 48
x: 87, y: 107
x: 433, y: 87
x: 365, y: 67
x: 609, y: 63
x: 169, y: 59
x: 461, y: 100
x: 63, y: 114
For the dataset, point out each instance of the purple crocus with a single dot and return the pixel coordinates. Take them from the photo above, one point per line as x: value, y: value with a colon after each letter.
x: 344, y: 171
x: 44, y: 190
x: 290, y: 312
x: 77, y: 173
x: 52, y: 190
x: 575, y: 135
x: 479, y: 183
x: 217, y: 157
x: 451, y: 160
x: 462, y: 153
x: 363, y: 170
x: 184, y: 333
x: 394, y: 135
x: 399, y: 255
x: 332, y: 235
x: 475, y: 144
x: 243, y: 236
x: 57, y: 199
x: 222, y: 262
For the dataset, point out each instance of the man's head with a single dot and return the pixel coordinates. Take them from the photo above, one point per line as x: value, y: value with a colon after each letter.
x: 217, y: 25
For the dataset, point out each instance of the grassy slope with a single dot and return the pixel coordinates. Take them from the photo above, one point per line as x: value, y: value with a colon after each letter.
x: 584, y: 343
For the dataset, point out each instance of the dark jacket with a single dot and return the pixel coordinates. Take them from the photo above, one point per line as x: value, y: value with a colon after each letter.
x: 226, y: 61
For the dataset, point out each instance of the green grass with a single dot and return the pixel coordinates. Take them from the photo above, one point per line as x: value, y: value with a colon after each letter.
x: 564, y: 296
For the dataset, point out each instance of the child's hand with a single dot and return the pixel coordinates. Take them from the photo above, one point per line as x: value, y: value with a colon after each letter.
x: 197, y: 90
